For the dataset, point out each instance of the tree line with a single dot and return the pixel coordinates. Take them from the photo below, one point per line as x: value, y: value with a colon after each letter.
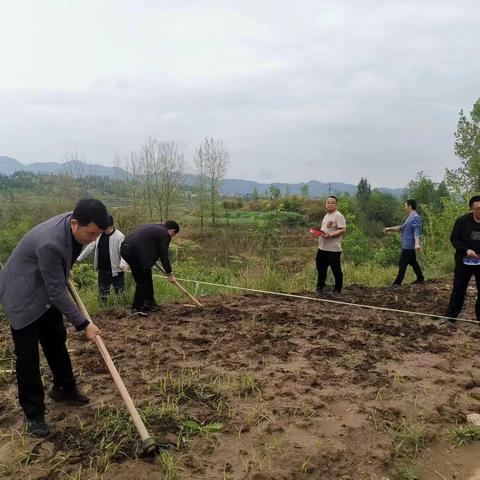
x: 157, y: 184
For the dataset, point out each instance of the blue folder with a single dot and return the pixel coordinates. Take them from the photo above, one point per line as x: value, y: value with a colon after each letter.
x: 471, y: 261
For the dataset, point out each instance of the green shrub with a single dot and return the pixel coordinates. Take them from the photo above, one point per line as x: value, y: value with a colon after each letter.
x: 10, y: 235
x: 84, y: 276
x: 356, y: 245
x: 389, y: 254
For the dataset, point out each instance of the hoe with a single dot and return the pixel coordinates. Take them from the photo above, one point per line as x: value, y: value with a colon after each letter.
x: 148, y: 444
x: 181, y: 288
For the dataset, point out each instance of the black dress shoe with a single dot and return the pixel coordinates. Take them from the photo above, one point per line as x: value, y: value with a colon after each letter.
x: 37, y: 427
x: 72, y: 396
x: 153, y: 308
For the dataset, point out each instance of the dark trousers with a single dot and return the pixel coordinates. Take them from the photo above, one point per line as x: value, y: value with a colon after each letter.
x: 461, y: 279
x: 144, y: 294
x: 408, y: 257
x: 50, y: 331
x: 329, y: 259
x: 106, y: 280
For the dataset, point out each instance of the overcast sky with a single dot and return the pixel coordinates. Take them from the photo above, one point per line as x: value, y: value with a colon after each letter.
x: 297, y: 90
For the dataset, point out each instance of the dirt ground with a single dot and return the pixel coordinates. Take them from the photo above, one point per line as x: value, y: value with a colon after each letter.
x: 264, y: 388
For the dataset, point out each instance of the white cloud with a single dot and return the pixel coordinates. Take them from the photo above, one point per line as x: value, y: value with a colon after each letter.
x: 329, y: 90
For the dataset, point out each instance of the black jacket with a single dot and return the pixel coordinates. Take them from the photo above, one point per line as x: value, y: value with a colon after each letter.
x: 465, y: 236
x: 151, y: 242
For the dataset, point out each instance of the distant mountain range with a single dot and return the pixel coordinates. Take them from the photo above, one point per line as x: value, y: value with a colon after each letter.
x: 9, y: 165
x: 230, y: 186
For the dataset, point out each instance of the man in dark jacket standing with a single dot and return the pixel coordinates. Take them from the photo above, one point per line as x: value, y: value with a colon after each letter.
x: 33, y: 290
x: 141, y: 250
x: 465, y: 238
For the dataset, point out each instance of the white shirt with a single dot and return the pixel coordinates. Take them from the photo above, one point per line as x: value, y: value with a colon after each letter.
x: 117, y: 263
x: 331, y: 223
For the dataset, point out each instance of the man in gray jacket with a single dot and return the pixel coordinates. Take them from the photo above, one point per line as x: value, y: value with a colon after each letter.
x: 33, y: 291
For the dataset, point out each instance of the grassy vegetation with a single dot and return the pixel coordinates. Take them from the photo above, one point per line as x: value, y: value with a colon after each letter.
x: 169, y: 465
x: 263, y: 243
x: 254, y: 273
x: 464, y: 434
x: 114, y: 435
x: 408, y: 439
x: 273, y: 250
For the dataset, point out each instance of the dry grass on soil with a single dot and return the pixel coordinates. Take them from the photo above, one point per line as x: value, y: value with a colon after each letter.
x: 255, y: 387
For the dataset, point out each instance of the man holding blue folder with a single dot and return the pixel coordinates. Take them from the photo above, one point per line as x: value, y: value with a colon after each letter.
x: 465, y: 238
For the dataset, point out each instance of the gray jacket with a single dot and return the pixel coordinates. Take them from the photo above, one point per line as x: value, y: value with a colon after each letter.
x: 35, y: 275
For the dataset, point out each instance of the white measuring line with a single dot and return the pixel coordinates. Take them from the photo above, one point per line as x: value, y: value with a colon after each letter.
x: 337, y: 302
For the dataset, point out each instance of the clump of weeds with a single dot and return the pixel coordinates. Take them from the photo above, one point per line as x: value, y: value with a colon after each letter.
x: 408, y: 438
x: 464, y: 434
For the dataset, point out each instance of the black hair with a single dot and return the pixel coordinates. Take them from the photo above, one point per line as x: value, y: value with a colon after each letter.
x: 475, y: 198
x: 89, y: 210
x: 334, y: 197
x: 110, y: 221
x: 172, y: 225
x: 411, y: 203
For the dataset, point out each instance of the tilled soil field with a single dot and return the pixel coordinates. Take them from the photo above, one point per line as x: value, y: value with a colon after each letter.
x: 261, y: 387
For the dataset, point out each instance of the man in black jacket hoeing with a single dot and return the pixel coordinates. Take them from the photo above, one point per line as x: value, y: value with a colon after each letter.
x: 141, y: 250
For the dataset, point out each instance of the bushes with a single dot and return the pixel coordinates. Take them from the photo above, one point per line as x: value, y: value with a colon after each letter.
x: 259, y: 239
x: 85, y: 276
x: 10, y: 235
x: 356, y: 246
x: 291, y: 219
x: 355, y: 243
x: 389, y: 254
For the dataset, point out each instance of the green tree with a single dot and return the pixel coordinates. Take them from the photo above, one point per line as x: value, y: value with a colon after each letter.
x: 290, y: 204
x: 427, y: 192
x: 267, y: 233
x: 466, y: 179
x: 422, y: 189
x: 442, y: 190
x: 364, y: 190
x: 382, y: 209
x: 231, y: 204
x: 274, y: 192
x: 304, y: 190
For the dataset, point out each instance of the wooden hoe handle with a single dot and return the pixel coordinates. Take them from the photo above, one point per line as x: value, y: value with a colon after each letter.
x: 147, y: 440
x: 186, y: 292
x: 182, y: 289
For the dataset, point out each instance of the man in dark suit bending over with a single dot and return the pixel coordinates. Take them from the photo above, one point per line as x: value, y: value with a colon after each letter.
x: 141, y: 250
